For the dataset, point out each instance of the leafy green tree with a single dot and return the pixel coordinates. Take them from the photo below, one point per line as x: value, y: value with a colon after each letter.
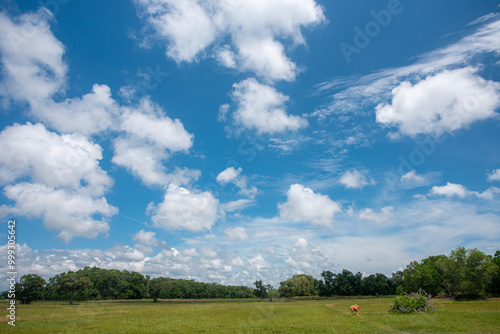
x: 31, y: 288
x: 396, y: 283
x: 494, y: 287
x: 344, y: 283
x: 377, y: 284
x: 155, y: 288
x: 261, y: 289
x: 347, y: 284
x: 410, y: 274
x: 426, y: 275
x: 74, y: 283
x: 298, y: 285
x: 326, y: 286
x: 467, y: 272
x: 431, y: 276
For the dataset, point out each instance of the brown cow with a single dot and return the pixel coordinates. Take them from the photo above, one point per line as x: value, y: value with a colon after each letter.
x: 354, y: 308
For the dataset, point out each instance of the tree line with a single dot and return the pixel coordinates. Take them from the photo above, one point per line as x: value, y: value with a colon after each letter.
x: 465, y: 273
x: 111, y: 284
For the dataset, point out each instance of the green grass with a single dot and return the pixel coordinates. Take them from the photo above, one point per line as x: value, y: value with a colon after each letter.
x: 296, y: 316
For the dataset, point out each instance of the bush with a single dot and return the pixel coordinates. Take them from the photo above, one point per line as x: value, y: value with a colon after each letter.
x: 415, y: 302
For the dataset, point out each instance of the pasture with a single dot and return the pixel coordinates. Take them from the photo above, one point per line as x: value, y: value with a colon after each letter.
x: 244, y: 316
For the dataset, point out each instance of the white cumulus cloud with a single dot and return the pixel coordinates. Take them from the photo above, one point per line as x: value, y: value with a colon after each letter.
x: 31, y: 57
x: 146, y: 240
x: 232, y: 175
x: 494, y: 175
x: 54, y: 160
x: 386, y: 214
x: 304, y: 205
x: 460, y: 191
x: 35, y: 72
x: 354, y: 179
x: 445, y: 102
x: 247, y: 35
x: 150, y: 139
x: 237, y: 233
x: 183, y: 209
x: 61, y: 209
x: 262, y: 108
x: 412, y: 179
x: 93, y: 113
x: 228, y: 175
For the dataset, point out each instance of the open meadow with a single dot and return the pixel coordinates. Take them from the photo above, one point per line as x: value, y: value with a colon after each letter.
x: 244, y: 316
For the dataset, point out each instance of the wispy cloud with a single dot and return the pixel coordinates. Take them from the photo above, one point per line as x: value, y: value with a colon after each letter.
x: 358, y: 95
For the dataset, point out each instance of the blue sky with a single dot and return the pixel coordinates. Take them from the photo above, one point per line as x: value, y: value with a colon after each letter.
x: 231, y: 141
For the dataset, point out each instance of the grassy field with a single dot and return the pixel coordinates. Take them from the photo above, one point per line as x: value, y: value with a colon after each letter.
x: 296, y: 316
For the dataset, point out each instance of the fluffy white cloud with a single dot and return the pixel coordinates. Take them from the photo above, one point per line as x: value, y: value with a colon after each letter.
x: 256, y: 30
x: 186, y: 25
x: 34, y: 71
x: 413, y: 180
x: 148, y: 121
x: 260, y: 107
x: 183, y: 209
x: 449, y: 190
x: 146, y: 240
x: 56, y: 161
x: 67, y: 180
x: 65, y: 210
x: 232, y: 175
x: 207, y: 252
x: 266, y: 57
x: 444, y: 102
x: 226, y: 57
x: 258, y: 27
x: 91, y: 114
x: 458, y: 190
x: 353, y: 96
x: 487, y: 194
x: 228, y: 175
x: 494, y: 176
x: 412, y: 176
x: 141, y: 159
x: 149, y: 140
x: 125, y: 253
x: 386, y: 214
x: 258, y: 264
x: 237, y: 233
x: 304, y: 205
x: 304, y: 257
x: 354, y: 179
x: 31, y: 57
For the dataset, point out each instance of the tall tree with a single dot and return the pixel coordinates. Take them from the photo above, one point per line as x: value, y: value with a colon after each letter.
x: 377, y: 284
x: 494, y: 288
x: 326, y: 286
x: 298, y: 285
x: 261, y: 289
x: 467, y: 272
x: 426, y: 275
x: 31, y: 288
x: 74, y: 283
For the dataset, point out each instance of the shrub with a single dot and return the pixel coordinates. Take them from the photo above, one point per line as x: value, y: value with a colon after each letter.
x: 415, y: 302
